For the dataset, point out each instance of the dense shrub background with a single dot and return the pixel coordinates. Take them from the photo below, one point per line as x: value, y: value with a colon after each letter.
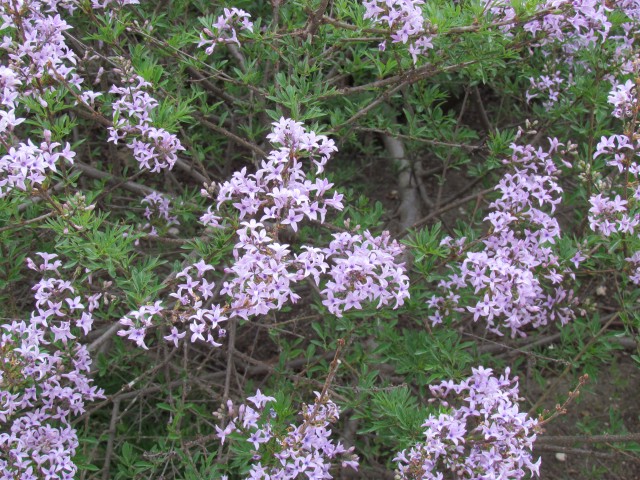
x: 317, y: 239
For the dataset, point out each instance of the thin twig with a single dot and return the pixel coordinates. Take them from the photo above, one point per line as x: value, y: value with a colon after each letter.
x: 112, y: 433
x: 27, y: 222
x: 443, y: 209
x: 463, y: 110
x: 230, y: 364
x: 605, y: 438
x: 109, y: 332
x: 322, y: 398
x: 437, y: 143
x: 100, y: 175
x: 486, y: 123
x: 241, y: 141
x: 574, y: 361
x: 315, y: 17
x: 409, y: 208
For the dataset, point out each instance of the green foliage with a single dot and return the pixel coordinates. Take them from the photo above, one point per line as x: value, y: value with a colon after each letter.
x: 395, y: 417
x: 457, y: 109
x: 424, y: 358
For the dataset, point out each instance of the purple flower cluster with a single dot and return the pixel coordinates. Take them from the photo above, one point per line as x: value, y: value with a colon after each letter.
x: 44, y: 380
x: 158, y: 208
x: 36, y: 53
x: 9, y: 94
x: 154, y: 148
x: 502, y: 10
x: 624, y: 98
x: 26, y: 165
x: 618, y: 148
x: 224, y: 29
x: 35, y: 44
x: 610, y: 212
x: 567, y: 28
x: 607, y: 216
x: 191, y: 294
x: 138, y: 321
x: 192, y: 308
x: 549, y: 87
x: 359, y: 267
x: 279, y: 190
x: 261, y: 275
x: 304, y: 449
x: 634, y: 262
x: 509, y: 276
x: 579, y: 21
x: 364, y: 269
x: 481, y: 434
x: 405, y: 22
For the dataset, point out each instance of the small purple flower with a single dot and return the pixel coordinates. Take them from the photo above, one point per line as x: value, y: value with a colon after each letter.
x: 224, y: 29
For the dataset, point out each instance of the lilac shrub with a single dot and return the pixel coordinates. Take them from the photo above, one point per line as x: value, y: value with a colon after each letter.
x: 562, y: 30
x: 481, y: 433
x: 558, y: 20
x: 305, y: 63
x: 615, y: 210
x: 35, y: 45
x: 364, y: 269
x: 190, y: 309
x: 517, y: 278
x: 44, y: 380
x: 34, y: 42
x: 303, y: 449
x: 138, y: 321
x: 358, y: 268
x: 624, y: 99
x: 608, y: 216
